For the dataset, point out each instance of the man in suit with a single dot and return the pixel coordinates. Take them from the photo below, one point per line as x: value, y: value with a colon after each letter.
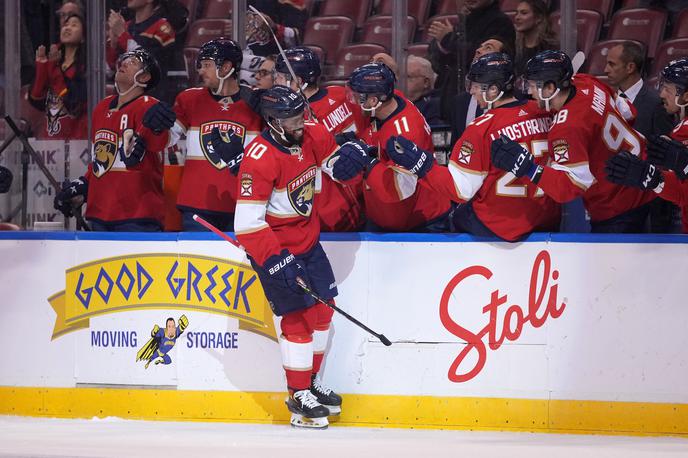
x: 624, y: 68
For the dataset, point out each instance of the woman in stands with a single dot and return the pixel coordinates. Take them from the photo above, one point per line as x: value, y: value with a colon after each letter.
x: 533, y: 32
x: 59, y: 86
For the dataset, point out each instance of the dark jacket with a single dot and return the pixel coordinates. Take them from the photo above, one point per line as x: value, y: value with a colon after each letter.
x: 480, y: 25
x: 652, y: 117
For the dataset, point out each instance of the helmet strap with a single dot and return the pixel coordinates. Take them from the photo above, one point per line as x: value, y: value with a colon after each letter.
x: 222, y: 79
x: 547, y: 99
x: 682, y: 106
x: 133, y: 86
x: 371, y: 110
x: 490, y: 103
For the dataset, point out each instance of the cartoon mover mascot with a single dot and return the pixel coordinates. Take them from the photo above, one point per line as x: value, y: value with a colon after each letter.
x: 162, y: 341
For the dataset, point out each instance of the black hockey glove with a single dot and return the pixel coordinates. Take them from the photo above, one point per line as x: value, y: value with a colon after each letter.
x: 509, y: 156
x: 354, y: 157
x: 133, y: 149
x: 232, y: 151
x: 665, y: 152
x: 5, y: 179
x: 628, y: 170
x: 67, y: 198
x: 344, y: 137
x: 407, y: 154
x: 159, y: 117
x: 285, y: 268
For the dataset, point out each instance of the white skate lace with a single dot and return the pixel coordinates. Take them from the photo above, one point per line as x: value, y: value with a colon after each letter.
x: 306, y: 398
x: 320, y: 388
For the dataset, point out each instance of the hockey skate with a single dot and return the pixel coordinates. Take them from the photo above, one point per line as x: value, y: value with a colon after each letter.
x: 326, y: 396
x: 306, y: 411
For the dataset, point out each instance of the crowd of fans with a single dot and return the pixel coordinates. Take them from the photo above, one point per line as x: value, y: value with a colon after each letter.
x: 436, y: 83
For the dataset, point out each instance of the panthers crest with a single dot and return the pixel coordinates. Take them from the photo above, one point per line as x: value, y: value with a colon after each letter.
x: 104, y: 151
x: 206, y: 145
x: 301, y: 192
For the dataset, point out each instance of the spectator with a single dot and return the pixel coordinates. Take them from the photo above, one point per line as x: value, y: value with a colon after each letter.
x: 68, y: 8
x: 624, y: 69
x: 59, y: 86
x: 533, y: 32
x: 147, y: 30
x: 482, y: 19
x: 287, y: 18
x: 384, y: 58
x: 420, y: 80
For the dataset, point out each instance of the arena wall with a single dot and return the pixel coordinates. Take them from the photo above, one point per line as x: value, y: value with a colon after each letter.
x: 573, y: 333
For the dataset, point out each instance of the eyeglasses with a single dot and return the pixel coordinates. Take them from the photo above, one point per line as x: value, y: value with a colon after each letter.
x: 415, y: 76
x: 263, y: 73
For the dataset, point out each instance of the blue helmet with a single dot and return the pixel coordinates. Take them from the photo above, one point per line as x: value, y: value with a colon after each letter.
x: 373, y: 79
x: 493, y: 69
x: 280, y: 102
x: 219, y: 51
x: 304, y: 62
x: 676, y: 72
x: 550, y: 66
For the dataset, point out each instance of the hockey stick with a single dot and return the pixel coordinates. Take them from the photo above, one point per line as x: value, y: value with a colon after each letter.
x: 301, y: 283
x: 577, y: 61
x: 286, y: 61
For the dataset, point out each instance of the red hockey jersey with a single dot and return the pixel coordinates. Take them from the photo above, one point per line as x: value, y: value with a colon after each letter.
x: 510, y: 207
x: 341, y: 205
x: 277, y: 203
x: 206, y: 182
x: 117, y: 193
x: 586, y: 132
x: 393, y: 200
x: 675, y: 190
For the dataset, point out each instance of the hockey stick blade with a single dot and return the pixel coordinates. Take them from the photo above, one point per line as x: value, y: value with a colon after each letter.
x: 312, y: 294
x: 301, y: 283
x: 577, y: 61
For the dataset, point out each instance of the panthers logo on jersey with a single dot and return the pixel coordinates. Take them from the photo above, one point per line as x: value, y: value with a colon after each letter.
x: 104, y: 151
x: 301, y: 192
x: 205, y: 131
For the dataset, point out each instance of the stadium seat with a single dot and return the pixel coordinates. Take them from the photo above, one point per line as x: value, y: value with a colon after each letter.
x: 453, y: 19
x: 597, y: 59
x: 191, y: 7
x: 418, y: 49
x: 511, y: 15
x: 190, y: 55
x: 668, y: 51
x: 604, y: 7
x: 681, y: 25
x: 378, y: 29
x: 589, y: 26
x: 417, y: 8
x: 358, y: 10
x: 642, y: 24
x: 217, y: 9
x: 446, y: 7
x: 631, y: 4
x: 203, y: 30
x: 329, y: 33
x: 508, y: 5
x: 353, y: 56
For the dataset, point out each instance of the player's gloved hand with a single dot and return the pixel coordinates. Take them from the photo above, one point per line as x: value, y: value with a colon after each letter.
x: 159, y: 117
x: 133, y: 148
x: 669, y: 153
x: 353, y: 158
x: 183, y: 323
x: 155, y: 330
x: 285, y: 268
x: 72, y: 195
x: 5, y: 179
x: 628, y: 170
x: 407, y: 154
x: 231, y: 151
x: 344, y: 137
x: 508, y: 155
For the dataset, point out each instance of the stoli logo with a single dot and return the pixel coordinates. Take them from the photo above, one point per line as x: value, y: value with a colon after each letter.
x: 497, y: 332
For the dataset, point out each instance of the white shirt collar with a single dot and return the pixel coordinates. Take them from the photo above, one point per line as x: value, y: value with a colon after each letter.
x: 632, y: 92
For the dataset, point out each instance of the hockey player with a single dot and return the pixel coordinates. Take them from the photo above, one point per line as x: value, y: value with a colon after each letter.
x: 393, y: 202
x: 587, y: 129
x: 341, y: 205
x: 217, y: 123
x: 276, y: 220
x: 670, y: 153
x: 494, y: 202
x: 124, y: 180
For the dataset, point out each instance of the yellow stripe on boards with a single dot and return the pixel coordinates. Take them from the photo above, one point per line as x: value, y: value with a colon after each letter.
x: 427, y: 412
